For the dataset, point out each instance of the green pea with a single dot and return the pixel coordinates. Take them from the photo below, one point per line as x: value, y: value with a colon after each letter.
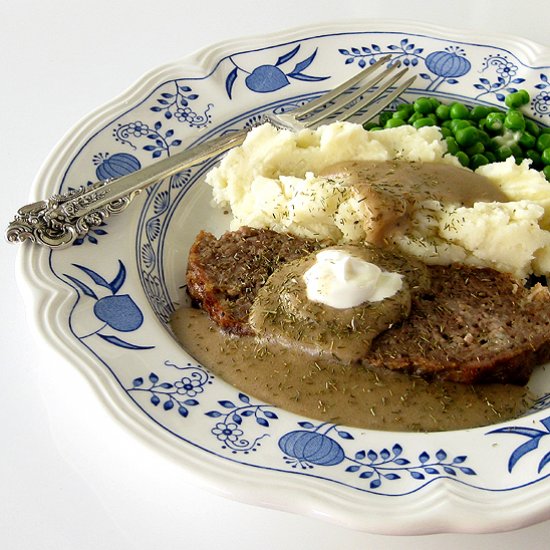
x: 405, y: 110
x: 517, y: 99
x: 394, y: 123
x: 546, y: 172
x: 384, y: 117
x: 414, y: 117
x: 514, y: 120
x: 445, y: 132
x: 543, y: 142
x: 527, y: 140
x: 502, y: 153
x: 532, y: 127
x: 460, y: 111
x: 478, y: 160
x: 370, y: 125
x: 534, y: 155
x: 459, y: 124
x: 463, y: 158
x: 423, y: 105
x: 545, y: 156
x: 475, y: 149
x: 479, y: 112
x: 467, y: 136
x: 452, y: 145
x: 490, y: 156
x: 401, y: 114
x: 443, y: 112
x: 421, y: 122
x: 495, y: 121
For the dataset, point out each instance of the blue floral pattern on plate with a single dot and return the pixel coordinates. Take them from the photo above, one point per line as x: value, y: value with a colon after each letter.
x: 115, y: 292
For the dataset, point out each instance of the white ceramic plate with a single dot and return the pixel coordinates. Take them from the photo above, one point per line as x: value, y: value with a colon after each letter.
x: 103, y: 303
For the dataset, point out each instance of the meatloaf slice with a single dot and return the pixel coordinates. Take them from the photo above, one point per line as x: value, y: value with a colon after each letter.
x: 224, y: 275
x: 475, y: 326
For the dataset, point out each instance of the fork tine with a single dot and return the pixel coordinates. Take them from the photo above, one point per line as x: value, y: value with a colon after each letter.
x: 375, y: 108
x: 372, y: 96
x: 335, y: 92
x: 348, y: 98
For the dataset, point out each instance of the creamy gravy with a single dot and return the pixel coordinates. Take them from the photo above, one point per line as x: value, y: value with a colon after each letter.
x: 282, y: 311
x: 343, y: 394
x: 391, y: 190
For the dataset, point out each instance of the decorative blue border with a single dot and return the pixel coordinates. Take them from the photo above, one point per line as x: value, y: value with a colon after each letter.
x: 175, y: 110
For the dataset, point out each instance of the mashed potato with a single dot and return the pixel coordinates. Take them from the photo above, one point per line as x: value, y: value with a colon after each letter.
x: 273, y: 181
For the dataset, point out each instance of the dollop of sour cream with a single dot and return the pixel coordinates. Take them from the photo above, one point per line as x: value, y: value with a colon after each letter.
x: 341, y: 280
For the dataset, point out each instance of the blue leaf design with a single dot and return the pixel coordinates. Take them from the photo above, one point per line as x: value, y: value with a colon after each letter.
x: 424, y: 457
x: 345, y: 435
x: 271, y: 415
x: 467, y: 471
x: 191, y: 402
x: 155, y: 400
x: 153, y: 378
x: 375, y: 483
x: 262, y: 421
x: 441, y: 454
x: 360, y: 455
x: 545, y: 460
x: 183, y: 411
x: 168, y: 405
x: 522, y: 450
x: 343, y: 51
x: 136, y: 382
x: 353, y: 469
x: 96, y: 278
x: 237, y: 419
x: 87, y: 291
x: 116, y: 284
x: 287, y: 56
x: 432, y: 471
x: 121, y: 343
x: 306, y: 77
x: 227, y: 404
x: 305, y: 63
x: 397, y: 449
x: 244, y: 398
x: 417, y: 475
x: 213, y: 414
x: 366, y: 475
x: 306, y: 425
x: 230, y: 81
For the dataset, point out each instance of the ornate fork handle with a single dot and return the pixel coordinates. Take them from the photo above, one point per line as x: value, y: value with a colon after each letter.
x: 60, y: 220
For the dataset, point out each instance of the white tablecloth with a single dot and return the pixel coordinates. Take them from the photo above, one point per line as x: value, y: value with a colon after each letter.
x: 65, y: 488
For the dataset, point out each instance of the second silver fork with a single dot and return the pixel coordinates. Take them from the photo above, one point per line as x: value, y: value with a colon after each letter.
x: 60, y: 220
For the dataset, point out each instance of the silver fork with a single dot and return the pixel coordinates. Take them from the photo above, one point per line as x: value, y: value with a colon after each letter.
x: 58, y: 221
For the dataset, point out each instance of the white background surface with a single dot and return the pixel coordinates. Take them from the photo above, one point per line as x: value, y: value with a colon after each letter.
x: 70, y: 477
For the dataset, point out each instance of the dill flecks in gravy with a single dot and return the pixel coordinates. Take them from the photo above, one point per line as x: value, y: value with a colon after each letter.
x: 335, y: 392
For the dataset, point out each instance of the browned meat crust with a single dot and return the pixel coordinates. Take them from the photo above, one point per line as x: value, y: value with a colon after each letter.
x: 476, y: 325
x: 224, y: 275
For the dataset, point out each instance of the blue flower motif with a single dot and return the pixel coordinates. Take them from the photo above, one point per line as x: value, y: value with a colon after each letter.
x: 117, y: 311
x: 188, y: 386
x: 229, y: 428
x: 270, y: 78
x: 178, y: 395
x: 227, y: 432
